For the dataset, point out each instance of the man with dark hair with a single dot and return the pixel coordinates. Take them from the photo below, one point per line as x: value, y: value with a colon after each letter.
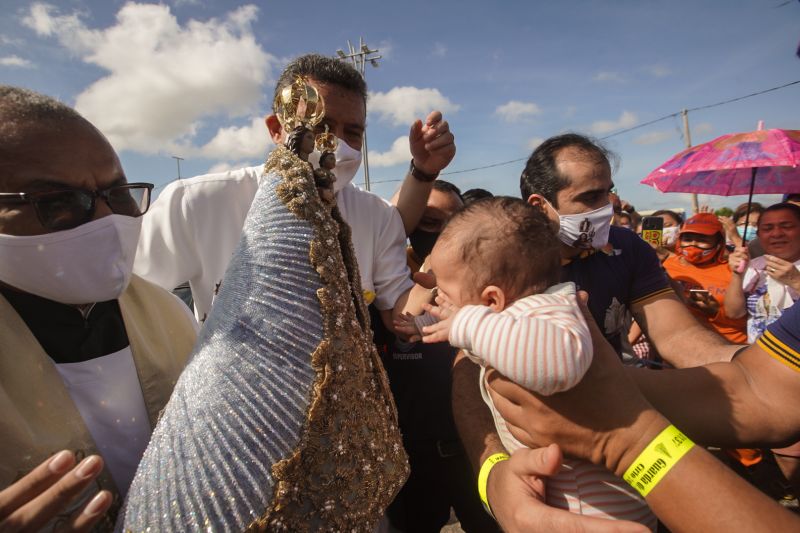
x: 194, y: 227
x: 541, y: 175
x: 444, y: 200
x: 569, y: 178
x: 473, y: 195
x: 324, y: 70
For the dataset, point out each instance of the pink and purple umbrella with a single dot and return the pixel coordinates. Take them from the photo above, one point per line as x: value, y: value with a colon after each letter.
x: 763, y: 161
x: 766, y: 160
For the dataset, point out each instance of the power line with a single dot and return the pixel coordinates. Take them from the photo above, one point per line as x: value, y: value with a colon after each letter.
x: 485, y: 166
x: 616, y: 133
x: 626, y: 130
x: 745, y: 96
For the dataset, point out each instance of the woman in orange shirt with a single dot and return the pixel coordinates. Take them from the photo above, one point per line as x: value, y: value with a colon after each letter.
x: 701, y: 266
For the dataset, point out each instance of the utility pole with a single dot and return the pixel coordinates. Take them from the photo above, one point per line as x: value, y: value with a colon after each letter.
x: 687, y: 136
x: 359, y: 58
x: 178, y: 161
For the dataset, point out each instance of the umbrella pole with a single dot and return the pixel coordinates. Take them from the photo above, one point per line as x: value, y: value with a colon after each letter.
x: 749, y: 203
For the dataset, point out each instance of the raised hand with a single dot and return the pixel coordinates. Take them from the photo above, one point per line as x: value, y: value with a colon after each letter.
x: 738, y: 259
x: 783, y: 271
x: 432, y: 144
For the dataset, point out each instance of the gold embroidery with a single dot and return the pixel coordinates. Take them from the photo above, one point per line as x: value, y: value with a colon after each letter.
x: 350, y: 461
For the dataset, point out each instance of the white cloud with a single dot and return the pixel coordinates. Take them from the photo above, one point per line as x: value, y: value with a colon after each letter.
x: 10, y: 41
x: 15, y: 61
x: 164, y: 79
x: 403, y: 105
x: 626, y: 120
x: 398, y: 153
x: 609, y: 76
x: 658, y: 71
x: 439, y: 50
x: 654, y: 137
x: 251, y: 141
x: 40, y: 20
x: 534, y: 142
x: 702, y: 128
x: 515, y: 110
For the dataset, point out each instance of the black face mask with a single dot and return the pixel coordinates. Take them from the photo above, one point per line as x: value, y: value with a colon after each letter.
x: 422, y: 242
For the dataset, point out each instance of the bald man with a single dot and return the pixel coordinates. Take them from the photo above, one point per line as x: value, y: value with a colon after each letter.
x: 89, y: 354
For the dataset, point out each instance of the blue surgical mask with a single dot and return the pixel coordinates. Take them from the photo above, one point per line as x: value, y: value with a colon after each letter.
x: 747, y: 233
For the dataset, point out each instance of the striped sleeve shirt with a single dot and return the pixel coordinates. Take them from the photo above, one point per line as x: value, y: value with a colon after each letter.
x: 541, y: 342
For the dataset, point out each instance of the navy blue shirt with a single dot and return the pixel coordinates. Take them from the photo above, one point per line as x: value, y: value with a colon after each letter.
x: 629, y: 272
x: 782, y: 338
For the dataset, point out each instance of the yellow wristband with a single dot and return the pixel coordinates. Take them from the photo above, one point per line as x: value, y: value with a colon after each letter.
x: 657, y: 459
x: 483, y: 477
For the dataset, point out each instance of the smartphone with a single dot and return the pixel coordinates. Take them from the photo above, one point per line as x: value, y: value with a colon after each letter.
x: 653, y: 230
x: 698, y: 294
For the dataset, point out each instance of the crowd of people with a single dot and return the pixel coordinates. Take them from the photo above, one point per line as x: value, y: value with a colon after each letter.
x: 551, y: 369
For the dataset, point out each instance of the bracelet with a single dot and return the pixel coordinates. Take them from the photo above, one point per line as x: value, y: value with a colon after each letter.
x: 420, y: 175
x: 663, y: 452
x: 483, y: 477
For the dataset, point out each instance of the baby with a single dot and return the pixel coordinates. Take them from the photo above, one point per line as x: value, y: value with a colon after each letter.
x: 497, y: 265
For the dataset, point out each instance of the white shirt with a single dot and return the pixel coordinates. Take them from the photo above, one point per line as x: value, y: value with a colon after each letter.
x: 192, y: 230
x: 765, y: 298
x: 108, y: 396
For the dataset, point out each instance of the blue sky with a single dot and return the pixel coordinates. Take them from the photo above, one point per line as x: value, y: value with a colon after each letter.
x: 194, y: 78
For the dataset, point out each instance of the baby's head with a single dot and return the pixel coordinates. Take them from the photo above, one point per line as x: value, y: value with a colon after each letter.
x: 495, y: 251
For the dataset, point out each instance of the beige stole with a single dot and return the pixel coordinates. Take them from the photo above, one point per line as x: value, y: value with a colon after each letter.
x: 37, y: 415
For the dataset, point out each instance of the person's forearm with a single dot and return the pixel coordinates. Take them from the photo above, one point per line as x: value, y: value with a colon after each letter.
x: 714, y: 405
x: 734, y: 298
x: 677, y: 336
x: 734, y: 238
x: 410, y: 200
x: 686, y: 344
x: 472, y: 416
x: 412, y: 301
x: 700, y: 494
x: 695, y: 346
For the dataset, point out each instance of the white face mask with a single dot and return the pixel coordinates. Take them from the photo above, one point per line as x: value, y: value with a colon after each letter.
x: 348, y: 162
x: 670, y: 235
x: 87, y: 264
x: 586, y: 230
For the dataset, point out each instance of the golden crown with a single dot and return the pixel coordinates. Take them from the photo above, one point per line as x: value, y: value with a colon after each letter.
x: 299, y: 104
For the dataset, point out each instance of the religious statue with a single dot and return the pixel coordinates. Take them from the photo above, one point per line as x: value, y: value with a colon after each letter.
x: 283, y: 419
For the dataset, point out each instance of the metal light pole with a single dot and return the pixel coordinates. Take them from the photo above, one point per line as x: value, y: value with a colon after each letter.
x: 687, y: 136
x: 178, y: 161
x: 359, y: 58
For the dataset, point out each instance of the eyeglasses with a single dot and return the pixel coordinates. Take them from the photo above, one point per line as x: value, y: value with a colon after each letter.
x: 68, y: 208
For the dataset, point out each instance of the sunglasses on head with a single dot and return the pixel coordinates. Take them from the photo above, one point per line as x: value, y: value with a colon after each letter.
x: 68, y: 208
